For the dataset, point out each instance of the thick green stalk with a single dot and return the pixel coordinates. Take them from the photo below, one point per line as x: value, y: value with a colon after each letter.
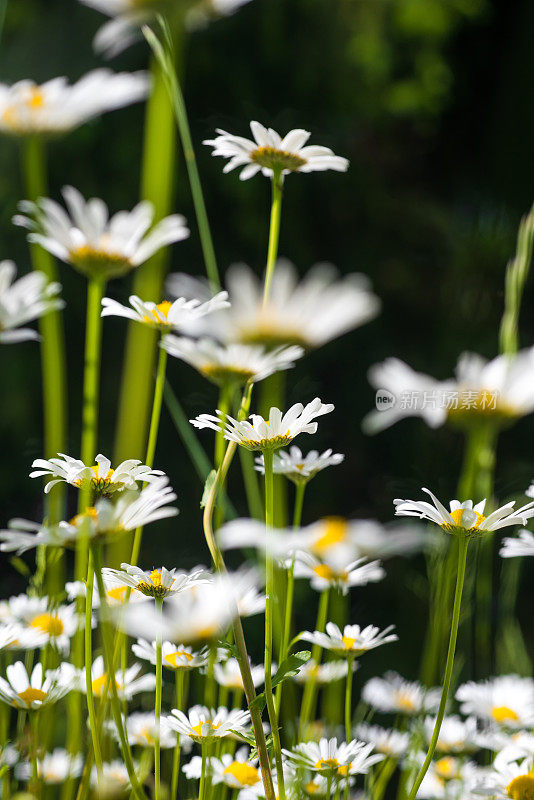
x: 460, y: 576
x: 157, y: 744
x: 35, y: 781
x: 309, y: 689
x: 95, y: 732
x: 269, y: 609
x: 277, y: 183
x: 225, y: 399
x: 348, y: 699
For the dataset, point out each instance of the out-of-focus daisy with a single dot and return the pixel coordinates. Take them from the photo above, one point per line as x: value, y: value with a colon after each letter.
x: 389, y: 742
x: 522, y: 545
x: 352, y: 640
x: 464, y: 519
x: 128, y: 683
x: 101, y: 479
x: 511, y: 776
x: 229, y: 674
x: 321, y: 674
x: 10, y: 634
x: 392, y: 694
x: 159, y: 582
x: 273, y: 155
x: 94, y: 243
x: 164, y: 316
x: 507, y: 700
x: 237, y: 364
x: 203, y: 723
x: 114, y: 780
x: 501, y: 389
x: 106, y: 520
x: 53, y: 768
x: 308, y: 312
x: 448, y: 778
x: 456, y: 735
x: 141, y: 730
x: 50, y: 624
x: 327, y: 757
x: 299, y: 468
x: 23, y: 301
x: 174, y: 656
x: 271, y: 434
x: 31, y: 692
x: 55, y: 107
x: 236, y: 771
x: 192, y: 616
x: 250, y: 601
x: 322, y: 576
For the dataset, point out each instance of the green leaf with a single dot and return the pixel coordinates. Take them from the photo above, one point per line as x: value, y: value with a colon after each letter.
x: 210, y: 480
x: 18, y: 564
x: 259, y: 702
x: 291, y: 666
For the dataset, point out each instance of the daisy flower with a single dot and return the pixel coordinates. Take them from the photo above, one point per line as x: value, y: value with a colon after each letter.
x: 250, y: 601
x: 507, y: 700
x: 327, y: 757
x: 128, y: 682
x: 94, y: 243
x: 322, y: 576
x: 167, y: 315
x: 55, y: 107
x: 352, y: 639
x: 522, y: 545
x: 23, y: 301
x: 236, y: 771
x: 511, y: 776
x: 271, y: 434
x: 174, y: 656
x: 392, y: 694
x: 322, y: 674
x: 271, y: 154
x: 49, y: 624
x: 106, y: 520
x: 100, y: 479
x: 229, y: 674
x: 308, y: 312
x: 456, y: 736
x: 31, y: 692
x: 390, y: 743
x: 141, y: 730
x: 299, y: 468
x: 54, y: 768
x: 448, y: 779
x: 9, y: 635
x: 203, y: 723
x: 236, y: 364
x: 114, y: 780
x: 464, y: 518
x: 159, y: 582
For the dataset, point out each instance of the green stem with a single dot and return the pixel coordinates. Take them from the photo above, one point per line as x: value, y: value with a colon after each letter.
x: 274, y: 230
x: 269, y: 608
x: 157, y: 744
x: 179, y: 689
x: 348, y: 699
x: 202, y: 788
x: 225, y: 398
x: 35, y: 783
x: 309, y: 689
x: 91, y: 378
x: 88, y: 663
x: 460, y: 576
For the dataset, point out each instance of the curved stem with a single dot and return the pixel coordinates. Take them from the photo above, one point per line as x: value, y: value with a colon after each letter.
x: 460, y: 575
x: 274, y: 231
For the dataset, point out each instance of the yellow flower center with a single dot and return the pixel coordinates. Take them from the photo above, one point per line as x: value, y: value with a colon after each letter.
x: 154, y: 317
x: 245, y: 774
x: 89, y: 513
x: 326, y: 572
x: 405, y: 701
x: 335, y: 532
x: 98, y: 261
x: 457, y: 517
x: 205, y: 728
x: 271, y: 158
x: 521, y: 788
x: 146, y: 733
x: 99, y: 684
x: 327, y: 763
x: 446, y: 768
x: 31, y: 695
x: 118, y: 593
x: 35, y: 98
x: 48, y: 623
x: 348, y: 642
x: 503, y: 714
x: 173, y: 658
x: 12, y: 115
x: 311, y: 787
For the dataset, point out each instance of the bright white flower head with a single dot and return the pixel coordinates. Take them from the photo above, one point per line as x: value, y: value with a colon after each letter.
x: 271, y: 154
x: 236, y: 771
x: 308, y: 312
x: 322, y: 674
x: 165, y: 316
x: 225, y: 364
x: 31, y: 692
x: 456, y: 736
x: 23, y: 301
x: 511, y: 777
x: 174, y: 656
x: 129, y: 682
x: 322, y: 576
x: 106, y: 520
x: 271, y: 434
x: 448, y: 778
x: 10, y: 634
x: 100, y: 478
x: 55, y: 107
x: 115, y: 780
x: 501, y: 388
x: 352, y: 640
x: 329, y: 758
x: 507, y: 700
x: 229, y: 674
x: 43, y: 622
x: 392, y: 694
x: 464, y: 518
x: 159, y: 582
x: 202, y: 723
x: 297, y: 467
x: 54, y: 768
x: 522, y: 545
x: 390, y: 743
x: 142, y: 731
x: 96, y: 244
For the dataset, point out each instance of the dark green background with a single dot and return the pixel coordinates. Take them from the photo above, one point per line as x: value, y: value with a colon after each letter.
x: 431, y: 100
